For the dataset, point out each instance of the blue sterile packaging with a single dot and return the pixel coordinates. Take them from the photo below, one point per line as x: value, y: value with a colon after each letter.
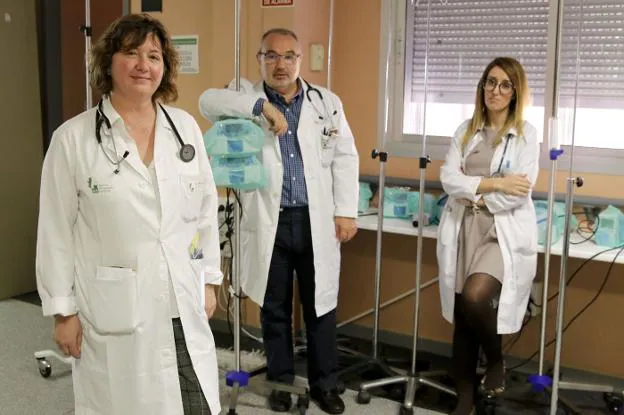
x: 558, y: 221
x: 364, y: 196
x: 243, y: 173
x: 610, y: 231
x: 396, y: 202
x: 413, y: 201
x: 235, y: 137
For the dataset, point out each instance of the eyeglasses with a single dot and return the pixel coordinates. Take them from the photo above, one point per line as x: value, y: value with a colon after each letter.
x: 272, y: 57
x: 505, y: 87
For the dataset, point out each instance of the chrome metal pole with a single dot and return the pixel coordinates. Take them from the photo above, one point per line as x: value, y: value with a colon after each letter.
x: 87, y: 32
x: 330, y: 44
x: 382, y: 181
x: 572, y: 181
x: 378, y: 258
x: 547, y: 253
x: 424, y: 160
x: 237, y: 208
x: 554, y: 153
x: 554, y: 397
x: 414, y: 379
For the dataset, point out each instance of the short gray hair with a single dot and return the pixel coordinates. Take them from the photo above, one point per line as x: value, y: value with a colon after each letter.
x: 277, y: 31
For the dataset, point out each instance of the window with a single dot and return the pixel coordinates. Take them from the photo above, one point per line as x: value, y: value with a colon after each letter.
x: 465, y: 35
x: 599, y: 57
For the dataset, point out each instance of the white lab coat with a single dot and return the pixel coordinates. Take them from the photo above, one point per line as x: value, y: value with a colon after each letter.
x: 107, y: 251
x: 331, y: 176
x: 514, y: 217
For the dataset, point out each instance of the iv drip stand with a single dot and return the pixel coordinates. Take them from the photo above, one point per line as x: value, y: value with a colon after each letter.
x: 613, y: 397
x: 413, y: 379
x: 45, y: 368
x: 87, y: 30
x: 374, y: 362
x: 238, y: 378
x: 540, y: 381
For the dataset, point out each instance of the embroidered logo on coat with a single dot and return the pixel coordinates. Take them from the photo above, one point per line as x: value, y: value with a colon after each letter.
x: 98, y: 187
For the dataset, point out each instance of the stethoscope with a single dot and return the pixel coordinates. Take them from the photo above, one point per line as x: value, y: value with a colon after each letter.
x: 187, y: 151
x: 499, y: 171
x: 323, y: 116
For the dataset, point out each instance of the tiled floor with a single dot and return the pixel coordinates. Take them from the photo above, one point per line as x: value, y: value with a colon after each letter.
x: 518, y: 399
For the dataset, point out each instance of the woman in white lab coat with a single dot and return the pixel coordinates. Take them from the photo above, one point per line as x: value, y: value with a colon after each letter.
x: 127, y: 250
x: 487, y: 238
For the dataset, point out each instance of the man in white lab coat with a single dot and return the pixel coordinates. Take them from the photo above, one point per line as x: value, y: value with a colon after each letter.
x: 298, y: 222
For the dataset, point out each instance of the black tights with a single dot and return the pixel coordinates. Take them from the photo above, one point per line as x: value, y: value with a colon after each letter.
x: 475, y: 325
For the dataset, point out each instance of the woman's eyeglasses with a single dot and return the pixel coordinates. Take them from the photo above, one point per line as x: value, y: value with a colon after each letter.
x: 505, y: 87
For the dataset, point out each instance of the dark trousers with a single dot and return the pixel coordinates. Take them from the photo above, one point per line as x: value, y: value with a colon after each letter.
x: 292, y: 252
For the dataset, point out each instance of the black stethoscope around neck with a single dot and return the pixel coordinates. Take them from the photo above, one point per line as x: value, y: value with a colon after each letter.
x: 186, y: 153
x: 324, y: 116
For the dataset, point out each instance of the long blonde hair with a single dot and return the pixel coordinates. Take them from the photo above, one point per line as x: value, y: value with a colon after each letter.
x: 519, y: 100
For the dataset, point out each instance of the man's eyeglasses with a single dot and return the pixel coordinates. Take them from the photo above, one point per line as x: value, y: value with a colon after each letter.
x: 505, y: 87
x: 272, y: 57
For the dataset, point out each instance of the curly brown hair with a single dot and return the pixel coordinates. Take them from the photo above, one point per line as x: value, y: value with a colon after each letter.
x: 126, y: 33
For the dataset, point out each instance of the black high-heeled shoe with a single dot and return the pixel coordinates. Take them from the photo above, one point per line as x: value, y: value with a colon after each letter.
x: 492, y: 392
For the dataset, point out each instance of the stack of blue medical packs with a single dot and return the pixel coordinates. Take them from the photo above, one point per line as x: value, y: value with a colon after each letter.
x: 402, y: 202
x: 610, y: 232
x: 558, y: 221
x: 235, y: 148
x: 365, y: 196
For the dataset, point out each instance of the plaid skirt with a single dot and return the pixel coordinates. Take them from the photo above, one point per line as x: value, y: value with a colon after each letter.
x: 193, y: 399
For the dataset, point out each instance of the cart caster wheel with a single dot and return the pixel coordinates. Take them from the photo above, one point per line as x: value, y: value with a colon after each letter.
x: 406, y: 411
x: 341, y: 387
x: 45, y: 369
x: 614, y: 403
x: 363, y: 397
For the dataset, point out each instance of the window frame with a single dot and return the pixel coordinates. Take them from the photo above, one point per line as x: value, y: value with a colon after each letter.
x: 394, y: 54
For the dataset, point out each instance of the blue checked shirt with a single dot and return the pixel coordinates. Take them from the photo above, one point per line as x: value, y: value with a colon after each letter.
x: 294, y: 191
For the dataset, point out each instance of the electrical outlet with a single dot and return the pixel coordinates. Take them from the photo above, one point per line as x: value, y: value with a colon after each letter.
x: 317, y: 56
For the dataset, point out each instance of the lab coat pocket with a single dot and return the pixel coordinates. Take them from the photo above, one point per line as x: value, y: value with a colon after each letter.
x: 113, y: 300
x: 192, y: 187
x: 328, y: 148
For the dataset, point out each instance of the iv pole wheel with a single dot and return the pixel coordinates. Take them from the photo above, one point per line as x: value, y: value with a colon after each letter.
x: 614, y: 403
x: 303, y: 403
x: 487, y: 405
x: 45, y: 369
x: 406, y: 411
x: 363, y: 397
